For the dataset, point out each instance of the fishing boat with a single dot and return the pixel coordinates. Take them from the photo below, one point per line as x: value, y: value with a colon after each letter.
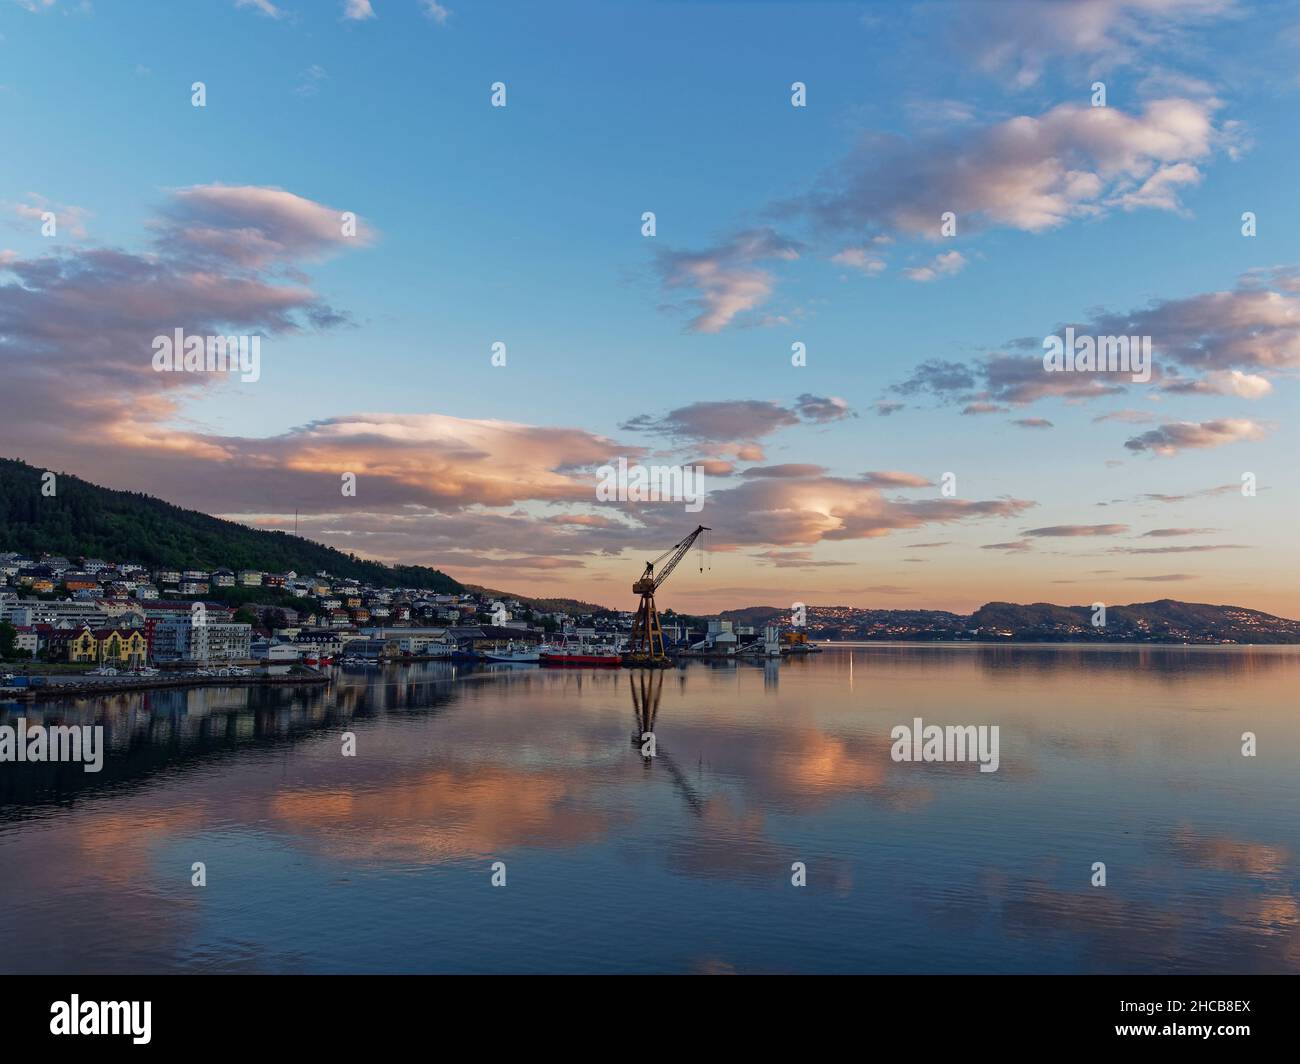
x: 576, y: 652
x: 513, y: 654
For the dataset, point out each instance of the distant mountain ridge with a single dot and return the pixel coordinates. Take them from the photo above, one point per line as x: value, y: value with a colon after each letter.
x: 84, y: 520
x: 1162, y: 621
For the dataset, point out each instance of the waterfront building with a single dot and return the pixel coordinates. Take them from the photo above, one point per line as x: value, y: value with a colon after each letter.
x: 180, y: 639
x: 124, y: 647
x: 25, y: 612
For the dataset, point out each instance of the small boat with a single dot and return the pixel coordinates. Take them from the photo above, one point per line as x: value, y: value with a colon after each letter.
x: 513, y: 654
x: 576, y: 652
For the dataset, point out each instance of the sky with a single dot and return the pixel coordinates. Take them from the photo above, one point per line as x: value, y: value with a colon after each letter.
x: 918, y: 194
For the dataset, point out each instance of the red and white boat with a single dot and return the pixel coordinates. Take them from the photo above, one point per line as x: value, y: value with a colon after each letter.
x: 576, y: 652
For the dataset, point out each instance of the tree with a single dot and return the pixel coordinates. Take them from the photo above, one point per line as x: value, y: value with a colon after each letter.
x: 8, y: 640
x: 275, y: 618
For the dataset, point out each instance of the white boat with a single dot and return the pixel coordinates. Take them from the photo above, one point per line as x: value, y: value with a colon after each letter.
x: 514, y: 654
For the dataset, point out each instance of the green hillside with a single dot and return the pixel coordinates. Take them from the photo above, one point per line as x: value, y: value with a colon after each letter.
x: 84, y: 519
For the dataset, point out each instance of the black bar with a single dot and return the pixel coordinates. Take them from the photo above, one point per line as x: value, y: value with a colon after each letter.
x: 808, y: 1015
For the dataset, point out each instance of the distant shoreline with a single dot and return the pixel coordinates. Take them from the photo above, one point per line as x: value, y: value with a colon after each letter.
x: 1024, y: 644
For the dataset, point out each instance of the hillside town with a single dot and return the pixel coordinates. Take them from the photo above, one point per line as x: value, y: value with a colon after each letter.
x: 123, y: 616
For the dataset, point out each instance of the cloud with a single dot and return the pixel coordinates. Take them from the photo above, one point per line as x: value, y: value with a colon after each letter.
x: 357, y: 10
x: 799, y: 511
x: 1135, y: 417
x: 77, y: 324
x: 726, y: 278
x: 1020, y: 381
x: 1027, y: 173
x: 792, y: 469
x: 252, y: 226
x: 68, y: 220
x: 1201, y: 548
x: 822, y: 408
x: 435, y: 11
x: 1166, y: 532
x: 1219, y: 336
x: 264, y: 6
x: 1078, y: 530
x: 939, y: 378
x: 716, y: 467
x: 860, y: 258
x: 945, y: 264
x: 1160, y: 190
x: 1164, y: 578
x: 1020, y: 39
x: 884, y: 407
x: 720, y: 421
x: 895, y: 479
x: 309, y: 81
x: 797, y: 559
x: 733, y: 421
x: 1255, y: 326
x: 1221, y: 489
x: 1033, y: 423
x: 1169, y: 439
x: 1222, y: 382
x: 1015, y: 546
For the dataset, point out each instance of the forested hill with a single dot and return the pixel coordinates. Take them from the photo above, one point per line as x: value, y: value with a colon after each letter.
x: 83, y: 519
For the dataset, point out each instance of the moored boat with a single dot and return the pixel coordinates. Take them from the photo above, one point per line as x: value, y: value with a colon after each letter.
x: 513, y: 654
x: 578, y: 653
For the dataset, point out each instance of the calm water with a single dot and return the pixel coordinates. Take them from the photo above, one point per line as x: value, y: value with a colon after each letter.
x: 382, y: 862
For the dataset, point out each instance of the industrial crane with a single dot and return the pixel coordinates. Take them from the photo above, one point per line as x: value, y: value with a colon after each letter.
x: 646, y: 647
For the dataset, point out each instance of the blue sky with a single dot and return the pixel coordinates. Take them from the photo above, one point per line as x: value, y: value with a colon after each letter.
x: 522, y: 224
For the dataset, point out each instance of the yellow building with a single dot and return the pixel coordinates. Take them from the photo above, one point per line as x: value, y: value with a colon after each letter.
x: 125, y: 647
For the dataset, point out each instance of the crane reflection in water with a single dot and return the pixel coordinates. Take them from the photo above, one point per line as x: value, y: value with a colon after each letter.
x: 647, y: 687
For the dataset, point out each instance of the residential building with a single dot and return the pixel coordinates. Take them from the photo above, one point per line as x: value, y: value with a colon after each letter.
x: 126, y: 647
x: 180, y: 639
